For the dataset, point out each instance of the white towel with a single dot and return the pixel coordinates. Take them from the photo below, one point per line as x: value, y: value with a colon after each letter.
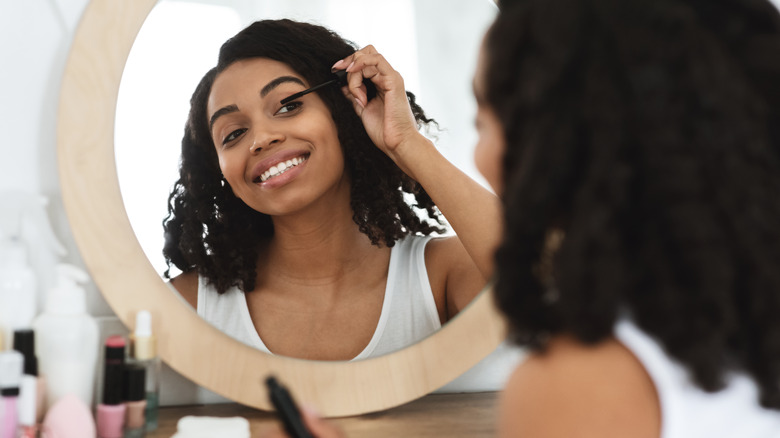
x: 212, y: 427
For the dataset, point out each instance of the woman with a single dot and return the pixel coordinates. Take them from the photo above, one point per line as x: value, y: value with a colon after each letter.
x: 290, y: 222
x: 634, y: 145
x: 646, y: 278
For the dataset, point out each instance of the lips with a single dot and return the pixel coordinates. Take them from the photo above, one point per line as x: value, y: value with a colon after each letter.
x: 278, y: 164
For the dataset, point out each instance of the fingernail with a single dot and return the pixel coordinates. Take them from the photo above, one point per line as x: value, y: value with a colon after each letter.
x: 337, y: 65
x: 350, y: 66
x: 309, y: 409
x: 359, y: 102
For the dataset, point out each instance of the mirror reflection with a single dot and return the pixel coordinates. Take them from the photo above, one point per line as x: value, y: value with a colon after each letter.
x: 316, y: 228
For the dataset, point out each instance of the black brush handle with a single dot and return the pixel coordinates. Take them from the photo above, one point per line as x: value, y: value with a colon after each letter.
x: 287, y: 409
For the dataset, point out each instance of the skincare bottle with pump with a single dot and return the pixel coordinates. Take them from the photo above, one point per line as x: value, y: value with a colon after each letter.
x: 67, y: 341
x: 18, y: 288
x: 143, y: 351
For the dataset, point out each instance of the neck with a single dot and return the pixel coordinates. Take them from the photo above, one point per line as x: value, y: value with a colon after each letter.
x: 321, y: 246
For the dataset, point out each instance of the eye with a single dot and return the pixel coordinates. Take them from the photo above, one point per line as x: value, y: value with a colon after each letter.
x: 233, y: 135
x: 288, y: 108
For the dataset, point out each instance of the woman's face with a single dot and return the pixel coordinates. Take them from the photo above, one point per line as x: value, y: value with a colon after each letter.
x: 277, y: 158
x: 489, y: 151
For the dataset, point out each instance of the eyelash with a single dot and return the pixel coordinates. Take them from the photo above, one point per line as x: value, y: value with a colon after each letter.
x: 291, y: 106
x: 230, y: 137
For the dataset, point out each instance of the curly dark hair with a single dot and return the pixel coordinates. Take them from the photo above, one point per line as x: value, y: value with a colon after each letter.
x: 646, y: 133
x: 210, y: 230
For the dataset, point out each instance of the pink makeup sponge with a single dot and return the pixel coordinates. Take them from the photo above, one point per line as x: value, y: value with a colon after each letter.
x: 69, y: 417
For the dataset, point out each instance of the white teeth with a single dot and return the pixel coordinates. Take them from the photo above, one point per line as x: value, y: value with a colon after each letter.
x: 280, y: 168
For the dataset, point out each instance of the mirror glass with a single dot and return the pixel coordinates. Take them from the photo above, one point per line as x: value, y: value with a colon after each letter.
x: 432, y: 43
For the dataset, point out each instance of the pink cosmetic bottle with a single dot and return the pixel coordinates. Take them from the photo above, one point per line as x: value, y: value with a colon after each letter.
x: 143, y: 351
x: 11, y: 364
x: 135, y: 400
x: 111, y: 411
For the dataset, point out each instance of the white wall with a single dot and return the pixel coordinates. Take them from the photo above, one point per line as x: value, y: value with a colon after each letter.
x: 35, y: 36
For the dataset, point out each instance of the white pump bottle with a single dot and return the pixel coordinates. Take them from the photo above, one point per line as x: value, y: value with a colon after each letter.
x: 67, y: 339
x: 18, y: 289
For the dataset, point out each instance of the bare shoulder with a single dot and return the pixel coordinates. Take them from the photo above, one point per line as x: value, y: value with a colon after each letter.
x: 578, y: 390
x: 187, y: 286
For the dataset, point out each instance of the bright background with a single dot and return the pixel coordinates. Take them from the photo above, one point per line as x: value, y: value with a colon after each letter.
x: 433, y: 43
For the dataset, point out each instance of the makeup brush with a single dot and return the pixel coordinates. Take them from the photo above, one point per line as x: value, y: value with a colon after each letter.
x: 339, y: 79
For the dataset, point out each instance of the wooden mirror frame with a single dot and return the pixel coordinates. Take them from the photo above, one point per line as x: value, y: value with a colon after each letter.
x: 190, y: 345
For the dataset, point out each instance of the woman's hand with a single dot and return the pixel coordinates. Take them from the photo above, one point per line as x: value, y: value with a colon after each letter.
x: 467, y: 205
x: 319, y: 427
x: 388, y: 119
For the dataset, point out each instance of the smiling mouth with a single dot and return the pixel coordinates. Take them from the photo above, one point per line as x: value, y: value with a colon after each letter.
x: 280, y: 168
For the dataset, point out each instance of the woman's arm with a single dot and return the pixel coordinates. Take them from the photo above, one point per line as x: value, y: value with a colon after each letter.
x: 472, y: 211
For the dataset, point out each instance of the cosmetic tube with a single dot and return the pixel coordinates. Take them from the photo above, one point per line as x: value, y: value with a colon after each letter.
x: 135, y: 400
x: 143, y: 351
x: 111, y: 411
x: 11, y: 365
x: 32, y: 398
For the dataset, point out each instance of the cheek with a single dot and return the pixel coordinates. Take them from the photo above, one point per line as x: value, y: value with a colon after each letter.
x: 230, y: 168
x: 487, y: 157
x: 224, y: 166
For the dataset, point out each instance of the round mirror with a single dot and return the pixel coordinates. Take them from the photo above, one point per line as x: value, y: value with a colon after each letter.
x: 434, y: 50
x: 129, y: 278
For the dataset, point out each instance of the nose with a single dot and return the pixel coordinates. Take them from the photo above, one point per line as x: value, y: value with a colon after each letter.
x: 265, y: 138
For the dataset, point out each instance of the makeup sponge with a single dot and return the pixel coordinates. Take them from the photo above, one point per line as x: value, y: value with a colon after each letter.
x: 69, y: 417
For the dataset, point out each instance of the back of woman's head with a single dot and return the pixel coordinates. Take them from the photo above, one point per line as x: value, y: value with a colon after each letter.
x: 211, y: 230
x: 642, y: 131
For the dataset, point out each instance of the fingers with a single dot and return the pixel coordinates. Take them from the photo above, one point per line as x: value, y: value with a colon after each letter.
x: 315, y: 424
x: 355, y: 102
x: 367, y: 63
x: 345, y: 63
x: 319, y: 427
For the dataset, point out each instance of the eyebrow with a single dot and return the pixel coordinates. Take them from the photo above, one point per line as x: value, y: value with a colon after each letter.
x: 279, y: 81
x: 263, y: 93
x: 221, y: 112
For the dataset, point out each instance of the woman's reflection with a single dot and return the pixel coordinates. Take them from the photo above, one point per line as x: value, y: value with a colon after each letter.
x: 292, y: 223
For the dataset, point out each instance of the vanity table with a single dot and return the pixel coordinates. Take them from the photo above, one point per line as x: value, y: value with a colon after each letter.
x: 470, y: 415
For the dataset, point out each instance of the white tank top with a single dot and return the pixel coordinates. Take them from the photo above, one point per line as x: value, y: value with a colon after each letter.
x: 408, y: 315
x: 688, y: 411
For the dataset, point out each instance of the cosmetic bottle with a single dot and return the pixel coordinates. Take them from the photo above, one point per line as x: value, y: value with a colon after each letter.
x: 134, y: 397
x: 31, y: 399
x: 11, y: 364
x: 18, y: 289
x: 67, y: 342
x: 111, y: 411
x: 23, y: 219
x: 143, y: 351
